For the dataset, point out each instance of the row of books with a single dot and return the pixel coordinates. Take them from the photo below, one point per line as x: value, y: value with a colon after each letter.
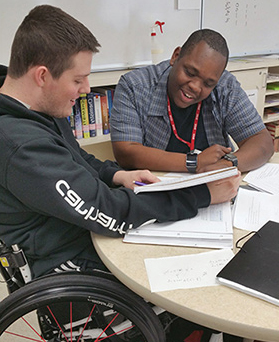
x: 271, y: 113
x: 91, y: 113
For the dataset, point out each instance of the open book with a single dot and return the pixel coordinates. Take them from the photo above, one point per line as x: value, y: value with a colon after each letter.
x: 179, y: 181
x: 211, y: 228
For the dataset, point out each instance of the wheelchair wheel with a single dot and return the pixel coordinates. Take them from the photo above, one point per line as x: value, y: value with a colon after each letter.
x: 75, y: 308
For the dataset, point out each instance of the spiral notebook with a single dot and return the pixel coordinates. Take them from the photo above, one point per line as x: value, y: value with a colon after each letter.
x: 254, y: 269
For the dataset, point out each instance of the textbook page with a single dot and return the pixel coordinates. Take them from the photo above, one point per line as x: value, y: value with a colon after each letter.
x: 211, y: 228
x: 265, y: 178
x: 254, y: 208
x: 173, y: 182
x: 186, y: 271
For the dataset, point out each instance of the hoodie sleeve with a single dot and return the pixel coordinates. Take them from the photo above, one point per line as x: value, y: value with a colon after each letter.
x: 50, y: 180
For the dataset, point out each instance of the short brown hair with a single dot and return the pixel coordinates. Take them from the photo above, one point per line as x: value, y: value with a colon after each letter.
x: 51, y: 37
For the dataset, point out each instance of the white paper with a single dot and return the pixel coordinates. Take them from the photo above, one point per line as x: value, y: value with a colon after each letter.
x: 186, y: 271
x: 253, y: 96
x: 212, y: 228
x: 265, y: 178
x: 254, y: 208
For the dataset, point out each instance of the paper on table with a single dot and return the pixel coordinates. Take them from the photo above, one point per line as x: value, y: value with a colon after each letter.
x: 211, y: 227
x: 186, y: 271
x: 265, y: 178
x: 253, y: 209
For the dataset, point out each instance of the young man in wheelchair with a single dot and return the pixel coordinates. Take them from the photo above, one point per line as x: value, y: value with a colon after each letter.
x: 53, y: 193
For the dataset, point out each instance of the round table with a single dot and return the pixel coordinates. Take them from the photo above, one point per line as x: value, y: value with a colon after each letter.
x: 216, y: 307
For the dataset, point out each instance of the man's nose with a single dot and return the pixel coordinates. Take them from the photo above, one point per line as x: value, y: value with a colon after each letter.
x: 196, y: 86
x: 85, y: 88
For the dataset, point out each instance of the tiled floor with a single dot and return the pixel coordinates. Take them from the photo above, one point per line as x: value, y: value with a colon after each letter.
x: 3, y: 289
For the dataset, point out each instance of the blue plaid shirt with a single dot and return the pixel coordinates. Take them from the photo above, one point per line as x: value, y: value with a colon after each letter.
x: 140, y: 113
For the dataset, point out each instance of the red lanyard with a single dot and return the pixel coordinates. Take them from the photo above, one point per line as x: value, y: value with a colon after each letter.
x: 194, y: 131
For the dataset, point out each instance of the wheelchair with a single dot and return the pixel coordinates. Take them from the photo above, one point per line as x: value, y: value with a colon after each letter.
x: 72, y: 307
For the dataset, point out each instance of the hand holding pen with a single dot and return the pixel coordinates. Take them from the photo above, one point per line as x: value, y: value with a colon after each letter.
x: 139, y: 183
x: 130, y: 179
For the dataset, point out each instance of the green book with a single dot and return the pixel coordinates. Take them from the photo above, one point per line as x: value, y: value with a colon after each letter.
x: 273, y: 86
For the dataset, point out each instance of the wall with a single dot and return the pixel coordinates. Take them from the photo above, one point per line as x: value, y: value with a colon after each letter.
x: 122, y: 27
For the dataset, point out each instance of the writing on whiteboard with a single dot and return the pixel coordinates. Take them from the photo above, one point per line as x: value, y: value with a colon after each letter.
x: 239, y: 12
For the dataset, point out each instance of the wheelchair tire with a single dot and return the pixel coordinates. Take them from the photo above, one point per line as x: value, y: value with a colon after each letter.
x: 118, y: 313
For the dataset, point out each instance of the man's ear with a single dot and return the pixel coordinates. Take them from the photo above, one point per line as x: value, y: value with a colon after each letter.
x: 175, y: 55
x: 41, y: 74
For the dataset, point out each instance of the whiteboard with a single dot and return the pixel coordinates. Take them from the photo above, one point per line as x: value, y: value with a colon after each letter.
x: 122, y: 27
x: 250, y: 27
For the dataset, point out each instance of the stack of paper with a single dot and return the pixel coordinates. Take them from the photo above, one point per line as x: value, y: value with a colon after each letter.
x: 254, y: 208
x: 265, y: 178
x: 211, y: 228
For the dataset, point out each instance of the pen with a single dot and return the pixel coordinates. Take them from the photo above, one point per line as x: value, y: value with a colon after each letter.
x: 138, y: 183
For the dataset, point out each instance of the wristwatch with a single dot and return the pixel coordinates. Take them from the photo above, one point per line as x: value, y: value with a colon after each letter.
x: 232, y: 158
x: 191, y: 161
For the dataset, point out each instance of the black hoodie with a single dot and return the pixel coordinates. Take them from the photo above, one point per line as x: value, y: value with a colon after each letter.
x: 52, y: 193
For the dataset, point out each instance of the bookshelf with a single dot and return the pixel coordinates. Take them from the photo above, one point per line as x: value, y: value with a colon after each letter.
x: 253, y: 81
x: 95, y: 140
x: 100, y: 146
x: 271, y: 105
x: 258, y: 73
x: 101, y: 79
x: 253, y: 73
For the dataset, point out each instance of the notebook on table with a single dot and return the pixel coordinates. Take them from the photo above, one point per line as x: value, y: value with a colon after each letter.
x: 255, y: 268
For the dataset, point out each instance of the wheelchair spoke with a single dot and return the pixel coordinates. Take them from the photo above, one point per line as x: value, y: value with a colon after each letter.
x: 49, y: 309
x: 41, y: 339
x: 86, y: 323
x: 77, y: 308
x: 98, y: 338
x: 25, y: 337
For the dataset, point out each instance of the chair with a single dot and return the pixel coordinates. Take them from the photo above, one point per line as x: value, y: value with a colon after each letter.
x: 72, y: 306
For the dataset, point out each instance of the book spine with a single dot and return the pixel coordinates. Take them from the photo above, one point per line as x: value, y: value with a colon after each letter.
x: 91, y: 114
x: 105, y: 115
x: 72, y: 121
x: 84, y: 116
x: 98, y: 113
x: 78, y: 121
x: 110, y: 99
x: 273, y: 129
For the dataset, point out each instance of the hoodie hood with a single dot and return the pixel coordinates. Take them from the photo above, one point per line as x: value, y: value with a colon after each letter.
x: 16, y: 108
x: 3, y: 74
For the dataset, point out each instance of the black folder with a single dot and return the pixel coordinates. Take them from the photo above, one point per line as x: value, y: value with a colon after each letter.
x: 255, y: 268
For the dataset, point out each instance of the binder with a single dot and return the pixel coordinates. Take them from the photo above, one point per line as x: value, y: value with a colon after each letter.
x: 254, y: 270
